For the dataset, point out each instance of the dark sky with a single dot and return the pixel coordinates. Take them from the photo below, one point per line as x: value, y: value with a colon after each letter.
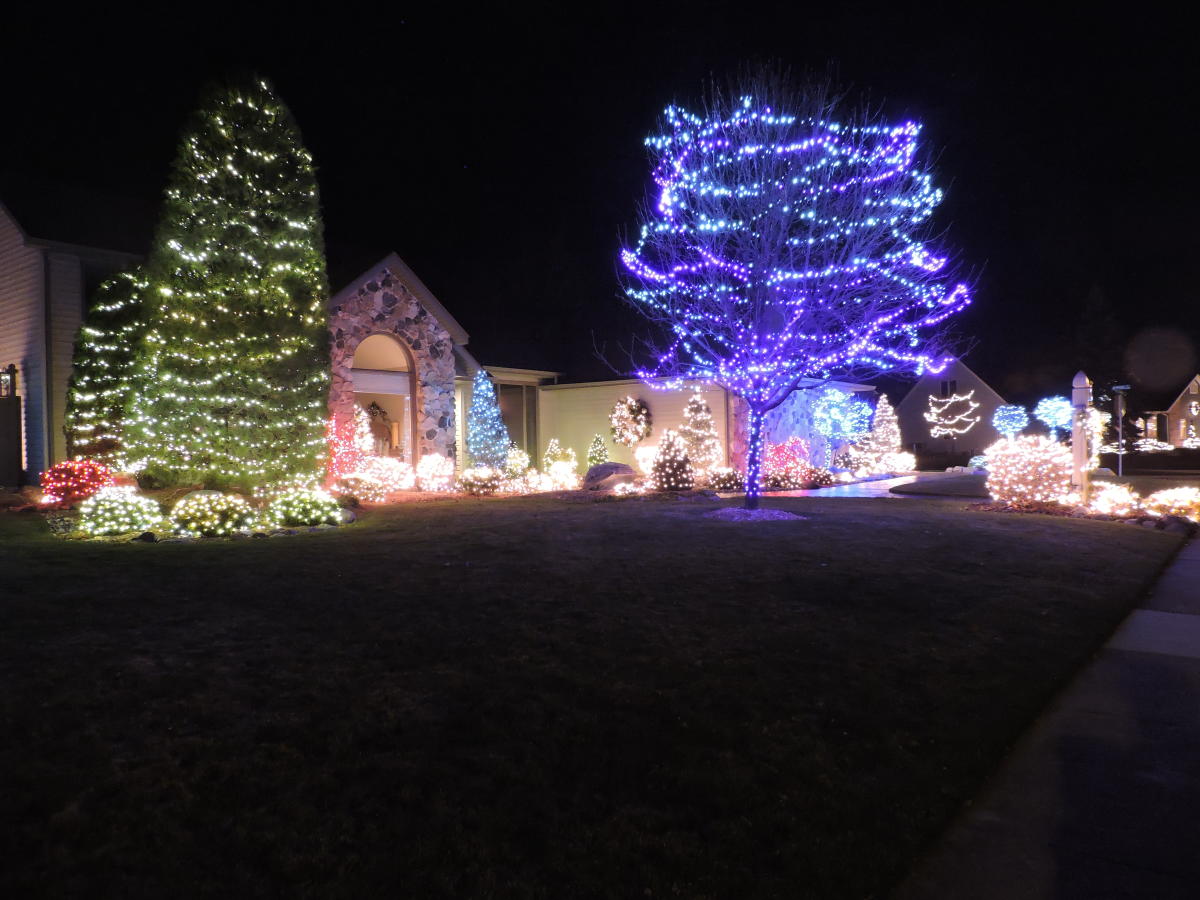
x: 501, y: 155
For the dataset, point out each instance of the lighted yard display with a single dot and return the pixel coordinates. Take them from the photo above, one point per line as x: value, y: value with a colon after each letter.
x: 672, y: 470
x: 211, y: 514
x: 953, y: 416
x: 232, y: 374
x: 1010, y: 420
x: 840, y: 418
x: 301, y: 507
x: 1028, y: 470
x: 597, y: 451
x: 487, y: 438
x: 1054, y: 413
x: 879, y: 451
x: 118, y: 509
x: 74, y: 479
x: 630, y: 421
x: 786, y: 240
x: 101, y: 376
x: 699, y: 435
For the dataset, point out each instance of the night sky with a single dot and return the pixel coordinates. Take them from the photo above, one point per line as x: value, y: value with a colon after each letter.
x: 502, y: 155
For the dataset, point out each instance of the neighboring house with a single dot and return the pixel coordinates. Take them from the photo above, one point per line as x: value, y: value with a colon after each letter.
x: 46, y: 276
x: 394, y: 348
x: 956, y: 380
x: 1180, y: 421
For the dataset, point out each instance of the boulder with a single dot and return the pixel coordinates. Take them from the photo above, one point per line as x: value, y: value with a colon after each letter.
x: 606, y: 476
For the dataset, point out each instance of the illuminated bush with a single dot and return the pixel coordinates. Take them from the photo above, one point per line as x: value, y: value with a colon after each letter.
x: 1027, y: 470
x: 435, y: 472
x: 481, y: 480
x: 555, y: 453
x: 376, y: 479
x: 74, y: 479
x: 1113, y: 499
x: 724, y: 478
x: 1183, y: 501
x: 211, y: 515
x: 118, y: 510
x: 672, y: 470
x: 517, y: 462
x: 560, y: 476
x: 303, y: 507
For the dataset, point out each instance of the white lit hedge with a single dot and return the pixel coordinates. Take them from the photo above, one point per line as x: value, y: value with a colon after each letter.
x: 1027, y: 470
x: 1183, y: 501
x: 211, y: 515
x: 303, y: 507
x: 481, y: 480
x: 118, y: 510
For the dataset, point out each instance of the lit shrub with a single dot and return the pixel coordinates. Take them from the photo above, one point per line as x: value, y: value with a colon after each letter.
x: 301, y: 507
x: 1028, y: 470
x: 1183, y: 501
x: 435, y: 472
x: 975, y: 462
x: 74, y: 479
x: 211, y: 514
x: 672, y: 470
x: 560, y: 476
x: 517, y: 462
x: 1113, y: 499
x: 481, y: 480
x: 724, y: 478
x: 900, y: 461
x: 118, y: 510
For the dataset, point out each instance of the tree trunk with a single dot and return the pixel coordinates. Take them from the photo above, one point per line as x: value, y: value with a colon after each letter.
x: 754, y: 456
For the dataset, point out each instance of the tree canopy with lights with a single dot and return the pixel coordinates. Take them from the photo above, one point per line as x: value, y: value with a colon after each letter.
x: 785, y: 246
x: 232, y: 373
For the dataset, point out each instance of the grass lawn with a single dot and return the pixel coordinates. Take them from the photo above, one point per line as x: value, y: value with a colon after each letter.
x: 1148, y: 484
x: 971, y: 486
x: 532, y: 698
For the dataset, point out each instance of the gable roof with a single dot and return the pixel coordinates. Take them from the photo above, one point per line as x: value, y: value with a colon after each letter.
x: 1187, y: 384
x: 939, y: 376
x: 399, y: 268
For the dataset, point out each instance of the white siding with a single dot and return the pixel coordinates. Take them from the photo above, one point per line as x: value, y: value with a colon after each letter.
x: 66, y: 315
x: 911, y: 411
x: 22, y: 334
x: 574, y: 413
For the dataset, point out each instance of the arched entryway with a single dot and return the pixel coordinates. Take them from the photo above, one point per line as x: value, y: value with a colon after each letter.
x: 381, y: 374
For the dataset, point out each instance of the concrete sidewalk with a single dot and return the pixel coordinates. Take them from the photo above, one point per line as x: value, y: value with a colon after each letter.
x: 1101, y: 798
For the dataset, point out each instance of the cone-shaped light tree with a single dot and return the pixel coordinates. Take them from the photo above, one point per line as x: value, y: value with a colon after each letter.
x: 232, y: 375
x: 104, y: 360
x: 699, y: 435
x: 487, y: 438
x: 785, y: 246
x: 883, y: 440
x: 597, y: 451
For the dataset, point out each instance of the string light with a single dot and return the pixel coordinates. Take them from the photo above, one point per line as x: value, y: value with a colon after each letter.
x: 557, y: 453
x: 951, y: 416
x: 300, y: 507
x: 630, y: 421
x: 212, y: 514
x: 435, y: 472
x: 672, y: 470
x: 481, y: 480
x: 839, y: 418
x: 1027, y: 470
x: 487, y: 438
x: 1181, y: 501
x: 1055, y: 413
x: 118, y: 509
x: 74, y: 479
x: 597, y: 451
x: 699, y: 435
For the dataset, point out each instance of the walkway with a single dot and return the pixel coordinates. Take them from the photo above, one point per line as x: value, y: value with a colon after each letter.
x: 880, y: 489
x: 1101, y: 798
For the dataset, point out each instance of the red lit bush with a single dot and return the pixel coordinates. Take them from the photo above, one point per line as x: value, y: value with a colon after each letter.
x: 75, y: 479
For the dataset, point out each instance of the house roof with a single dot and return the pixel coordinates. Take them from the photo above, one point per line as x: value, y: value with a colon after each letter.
x: 1164, y: 406
x: 76, y: 218
x: 913, y: 392
x: 399, y: 268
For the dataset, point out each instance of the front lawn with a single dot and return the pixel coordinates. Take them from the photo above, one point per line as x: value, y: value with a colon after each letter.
x: 531, y: 697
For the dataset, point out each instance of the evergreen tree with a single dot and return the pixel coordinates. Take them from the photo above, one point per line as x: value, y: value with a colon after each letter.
x: 699, y: 434
x: 104, y: 361
x: 487, y: 438
x: 556, y: 452
x: 232, y: 375
x: 597, y: 451
x: 884, y: 437
x: 672, y: 470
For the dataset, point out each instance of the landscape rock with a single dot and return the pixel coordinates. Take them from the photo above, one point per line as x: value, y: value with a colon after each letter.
x: 146, y: 537
x: 606, y: 476
x: 348, y: 516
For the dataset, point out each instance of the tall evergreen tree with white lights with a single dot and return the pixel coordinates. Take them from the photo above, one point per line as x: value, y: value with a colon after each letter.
x: 487, y: 438
x: 785, y: 246
x: 232, y: 375
x: 884, y: 437
x: 699, y: 434
x: 102, y: 375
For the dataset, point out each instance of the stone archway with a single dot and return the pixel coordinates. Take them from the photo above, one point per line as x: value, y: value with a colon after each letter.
x: 384, y: 305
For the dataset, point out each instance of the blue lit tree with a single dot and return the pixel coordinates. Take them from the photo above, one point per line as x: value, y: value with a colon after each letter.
x: 784, y: 247
x: 1010, y: 420
x: 1055, y: 413
x: 840, y: 418
x: 487, y: 438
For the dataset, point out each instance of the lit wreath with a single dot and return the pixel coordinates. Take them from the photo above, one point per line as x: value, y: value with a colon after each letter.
x: 630, y: 420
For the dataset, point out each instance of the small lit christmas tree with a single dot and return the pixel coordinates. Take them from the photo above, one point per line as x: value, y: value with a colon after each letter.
x: 232, y: 377
x: 104, y: 362
x: 487, y: 438
x: 672, y: 470
x: 699, y: 435
x: 597, y: 451
x: 883, y: 440
x: 556, y: 453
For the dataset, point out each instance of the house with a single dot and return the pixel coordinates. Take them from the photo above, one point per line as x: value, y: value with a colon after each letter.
x: 395, y: 349
x: 50, y: 263
x: 1180, y: 421
x: 957, y: 390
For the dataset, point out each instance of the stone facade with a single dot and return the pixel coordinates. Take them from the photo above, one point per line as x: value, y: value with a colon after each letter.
x: 386, y: 306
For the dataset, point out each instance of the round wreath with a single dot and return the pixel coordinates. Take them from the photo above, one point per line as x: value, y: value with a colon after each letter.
x: 630, y: 420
